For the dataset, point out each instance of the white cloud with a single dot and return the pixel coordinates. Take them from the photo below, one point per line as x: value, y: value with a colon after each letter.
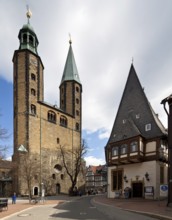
x: 105, y: 39
x: 91, y: 160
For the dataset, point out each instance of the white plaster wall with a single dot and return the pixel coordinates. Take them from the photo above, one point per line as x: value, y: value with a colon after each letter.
x: 151, y: 146
x: 132, y: 171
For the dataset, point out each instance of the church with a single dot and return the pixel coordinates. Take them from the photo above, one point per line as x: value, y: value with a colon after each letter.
x: 39, y: 127
x: 136, y: 152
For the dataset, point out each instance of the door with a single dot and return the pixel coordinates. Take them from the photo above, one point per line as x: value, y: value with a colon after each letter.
x: 137, y: 189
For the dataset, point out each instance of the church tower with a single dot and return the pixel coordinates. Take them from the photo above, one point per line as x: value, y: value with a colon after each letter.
x: 28, y: 83
x: 71, y: 89
x: 39, y: 127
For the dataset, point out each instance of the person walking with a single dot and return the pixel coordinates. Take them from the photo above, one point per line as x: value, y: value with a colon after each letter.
x: 14, y: 198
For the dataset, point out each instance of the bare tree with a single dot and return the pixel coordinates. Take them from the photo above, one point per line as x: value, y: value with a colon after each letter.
x: 30, y: 171
x: 73, y: 162
x: 4, y: 135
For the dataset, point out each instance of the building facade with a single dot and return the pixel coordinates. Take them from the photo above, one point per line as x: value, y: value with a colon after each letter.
x: 136, y: 152
x: 96, y: 179
x: 40, y: 128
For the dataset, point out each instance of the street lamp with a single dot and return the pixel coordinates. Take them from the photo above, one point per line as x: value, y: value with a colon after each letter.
x: 169, y: 114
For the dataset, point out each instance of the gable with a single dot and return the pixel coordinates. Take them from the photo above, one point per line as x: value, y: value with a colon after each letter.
x: 135, y: 113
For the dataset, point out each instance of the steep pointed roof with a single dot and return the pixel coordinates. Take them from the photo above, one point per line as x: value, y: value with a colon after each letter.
x: 70, y: 71
x: 134, y: 113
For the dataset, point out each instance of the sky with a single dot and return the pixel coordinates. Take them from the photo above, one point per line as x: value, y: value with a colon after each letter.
x: 107, y: 36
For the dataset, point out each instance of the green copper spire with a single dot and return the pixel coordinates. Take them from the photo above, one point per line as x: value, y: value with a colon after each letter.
x: 27, y: 36
x: 70, y: 71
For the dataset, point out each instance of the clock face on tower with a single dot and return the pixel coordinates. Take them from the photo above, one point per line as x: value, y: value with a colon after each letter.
x: 33, y: 62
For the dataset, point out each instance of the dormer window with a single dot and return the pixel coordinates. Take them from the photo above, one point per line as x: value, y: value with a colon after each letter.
x: 137, y: 116
x: 124, y: 121
x: 147, y: 127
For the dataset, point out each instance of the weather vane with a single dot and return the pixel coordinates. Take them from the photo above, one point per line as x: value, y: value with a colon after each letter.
x: 70, y: 40
x: 29, y: 13
x: 132, y: 60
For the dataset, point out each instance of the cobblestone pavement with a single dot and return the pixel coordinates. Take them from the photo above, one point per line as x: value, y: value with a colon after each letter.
x: 22, y: 205
x: 149, y: 207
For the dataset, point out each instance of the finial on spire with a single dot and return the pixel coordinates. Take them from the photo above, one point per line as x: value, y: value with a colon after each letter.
x: 29, y: 13
x: 132, y: 61
x: 70, y: 40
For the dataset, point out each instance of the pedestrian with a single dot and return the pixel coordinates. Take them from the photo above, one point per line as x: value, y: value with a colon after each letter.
x: 14, y: 198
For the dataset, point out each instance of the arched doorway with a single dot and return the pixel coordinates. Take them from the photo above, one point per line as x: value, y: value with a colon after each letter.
x: 35, y: 191
x: 57, y: 188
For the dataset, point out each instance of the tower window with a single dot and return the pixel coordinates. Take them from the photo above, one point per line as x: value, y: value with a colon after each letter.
x: 33, y: 109
x: 24, y: 38
x: 33, y: 92
x: 58, y: 140
x: 51, y: 116
x: 53, y: 176
x: 30, y: 40
x: 77, y: 126
x: 77, y: 112
x: 63, y: 121
x: 77, y: 101
x: 77, y: 88
x: 33, y: 77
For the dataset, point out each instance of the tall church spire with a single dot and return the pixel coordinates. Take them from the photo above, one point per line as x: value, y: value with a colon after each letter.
x: 70, y: 72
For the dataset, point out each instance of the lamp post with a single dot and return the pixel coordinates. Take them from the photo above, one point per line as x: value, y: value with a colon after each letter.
x: 169, y: 114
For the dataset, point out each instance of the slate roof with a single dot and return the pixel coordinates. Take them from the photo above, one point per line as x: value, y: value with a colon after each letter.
x: 70, y: 70
x: 134, y: 113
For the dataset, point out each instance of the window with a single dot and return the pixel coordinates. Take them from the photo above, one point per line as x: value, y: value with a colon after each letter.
x: 58, y: 140
x: 77, y: 88
x: 30, y: 40
x: 62, y: 176
x: 77, y: 101
x: 77, y: 126
x: 117, y: 180
x: 53, y: 176
x: 57, y: 168
x: 33, y: 92
x: 33, y: 109
x: 63, y: 121
x: 147, y: 127
x: 33, y: 77
x: 124, y: 149
x: 134, y: 146
x: 115, y: 151
x: 24, y: 38
x: 77, y: 112
x: 137, y: 116
x: 124, y: 121
x: 51, y: 116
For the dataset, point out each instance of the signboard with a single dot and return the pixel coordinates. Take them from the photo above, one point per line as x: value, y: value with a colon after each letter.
x: 149, y: 190
x: 164, y: 190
